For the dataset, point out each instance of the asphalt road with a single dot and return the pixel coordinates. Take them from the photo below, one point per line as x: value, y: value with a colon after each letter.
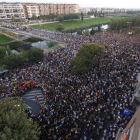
x: 36, y: 33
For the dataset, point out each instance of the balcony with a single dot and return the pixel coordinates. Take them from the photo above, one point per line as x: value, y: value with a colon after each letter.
x: 3, y: 17
x: 15, y: 11
x: 8, y: 16
x: 16, y: 15
x: 1, y: 11
x: 7, y: 11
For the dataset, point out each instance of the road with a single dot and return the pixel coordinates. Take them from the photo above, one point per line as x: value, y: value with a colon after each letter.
x: 42, y: 34
x: 40, y: 23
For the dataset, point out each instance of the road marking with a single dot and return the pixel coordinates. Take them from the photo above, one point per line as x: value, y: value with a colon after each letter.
x: 28, y: 107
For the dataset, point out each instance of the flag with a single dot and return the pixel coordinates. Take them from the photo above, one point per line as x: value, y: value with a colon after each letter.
x: 126, y: 112
x: 75, y: 53
x: 125, y: 138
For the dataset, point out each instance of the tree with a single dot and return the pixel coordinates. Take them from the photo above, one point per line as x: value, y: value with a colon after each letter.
x: 95, y: 13
x: 92, y: 31
x: 60, y: 18
x: 85, y: 56
x: 14, y: 61
x: 59, y: 27
x: 82, y: 16
x: 14, y: 124
x: 99, y: 28
x: 35, y: 54
x: 79, y: 32
x: 4, y: 51
x: 86, y: 33
x: 34, y: 17
x: 13, y: 19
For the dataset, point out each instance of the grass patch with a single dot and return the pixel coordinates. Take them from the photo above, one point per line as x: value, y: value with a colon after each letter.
x: 75, y: 23
x: 4, y: 39
x: 52, y: 44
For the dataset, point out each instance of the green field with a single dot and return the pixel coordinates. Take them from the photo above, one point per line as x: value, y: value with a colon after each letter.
x: 75, y: 23
x: 4, y: 39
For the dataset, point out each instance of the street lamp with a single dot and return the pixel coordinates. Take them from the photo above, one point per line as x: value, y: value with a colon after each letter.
x: 71, y: 29
x: 128, y: 24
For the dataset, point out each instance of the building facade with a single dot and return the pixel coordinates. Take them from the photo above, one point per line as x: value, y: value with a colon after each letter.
x: 27, y: 10
x: 46, y: 9
x: 84, y: 10
x: 108, y: 10
x: 31, y: 9
x: 9, y: 10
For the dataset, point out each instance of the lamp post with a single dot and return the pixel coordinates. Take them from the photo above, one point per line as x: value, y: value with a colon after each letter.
x: 128, y: 24
x: 71, y: 29
x: 83, y: 26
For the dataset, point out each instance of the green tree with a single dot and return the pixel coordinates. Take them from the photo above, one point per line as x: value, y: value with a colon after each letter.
x: 92, y: 32
x: 84, y: 57
x: 4, y: 51
x: 59, y: 27
x: 13, y: 19
x: 60, y: 18
x: 95, y: 13
x: 14, y: 124
x: 79, y: 32
x: 86, y: 33
x: 34, y: 17
x: 14, y: 60
x: 89, y: 13
x: 35, y: 54
x: 99, y: 28
x: 82, y: 16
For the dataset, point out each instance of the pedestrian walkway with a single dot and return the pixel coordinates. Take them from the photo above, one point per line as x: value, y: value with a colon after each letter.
x: 31, y: 96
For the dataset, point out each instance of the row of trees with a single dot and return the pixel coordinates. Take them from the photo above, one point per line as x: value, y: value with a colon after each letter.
x: 133, y: 12
x: 11, y: 61
x: 50, y: 16
x: 124, y: 23
x: 71, y: 16
x: 96, y: 14
x: 85, y: 57
x: 87, y: 32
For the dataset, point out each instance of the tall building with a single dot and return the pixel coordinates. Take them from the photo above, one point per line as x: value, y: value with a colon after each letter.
x: 7, y: 10
x: 27, y: 10
x: 84, y: 10
x: 31, y: 9
x: 107, y: 10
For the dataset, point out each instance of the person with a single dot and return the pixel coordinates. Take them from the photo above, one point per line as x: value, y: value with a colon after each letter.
x: 87, y: 101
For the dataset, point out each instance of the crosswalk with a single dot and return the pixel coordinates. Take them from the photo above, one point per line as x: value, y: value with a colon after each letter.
x: 30, y: 95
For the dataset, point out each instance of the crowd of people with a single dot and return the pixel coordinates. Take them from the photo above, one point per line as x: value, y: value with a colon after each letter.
x: 85, y: 106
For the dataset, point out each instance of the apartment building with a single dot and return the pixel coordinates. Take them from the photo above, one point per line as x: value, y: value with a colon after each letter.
x: 84, y: 10
x: 46, y: 9
x: 27, y: 10
x: 107, y: 10
x: 7, y: 10
x: 123, y: 10
x: 31, y: 9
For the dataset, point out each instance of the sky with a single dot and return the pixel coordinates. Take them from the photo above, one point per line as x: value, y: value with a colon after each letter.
x: 135, y: 4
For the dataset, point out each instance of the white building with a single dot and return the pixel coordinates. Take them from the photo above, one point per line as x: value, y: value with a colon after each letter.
x: 32, y: 10
x: 123, y: 10
x: 7, y: 10
x: 108, y: 10
x: 84, y: 10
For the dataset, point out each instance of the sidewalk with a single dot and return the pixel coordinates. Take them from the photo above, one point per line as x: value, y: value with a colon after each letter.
x: 40, y: 23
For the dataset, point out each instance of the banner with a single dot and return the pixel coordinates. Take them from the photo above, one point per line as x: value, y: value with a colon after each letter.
x: 126, y: 112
